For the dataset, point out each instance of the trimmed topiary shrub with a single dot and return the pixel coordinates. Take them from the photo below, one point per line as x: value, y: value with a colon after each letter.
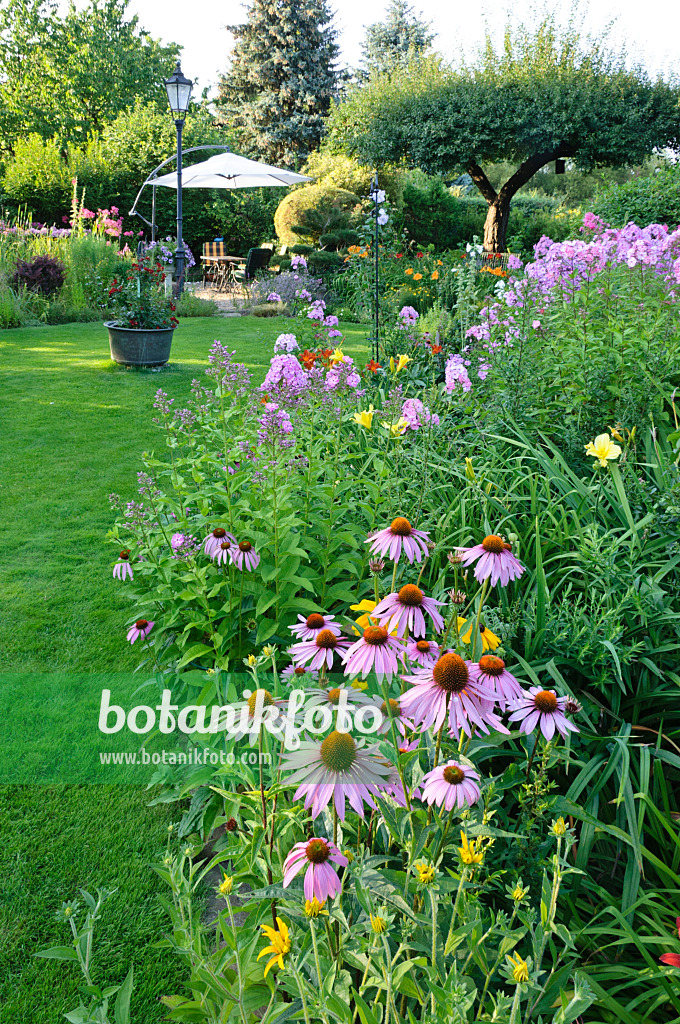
x: 313, y: 210
x: 43, y: 274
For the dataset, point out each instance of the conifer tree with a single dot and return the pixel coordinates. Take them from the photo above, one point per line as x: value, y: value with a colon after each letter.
x: 392, y: 43
x: 281, y: 80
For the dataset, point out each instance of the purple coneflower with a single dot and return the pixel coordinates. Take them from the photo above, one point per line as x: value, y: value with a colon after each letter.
x: 448, y: 685
x: 404, y: 610
x: 376, y: 650
x: 331, y: 696
x: 141, y: 628
x: 337, y: 768
x: 392, y: 711
x: 451, y: 784
x: 543, y: 708
x: 243, y: 555
x: 298, y: 674
x: 493, y: 675
x: 308, y: 628
x: 223, y: 553
x: 123, y: 569
x: 495, y: 560
x: 216, y: 540
x: 321, y: 880
x: 397, y: 536
x: 421, y: 652
x: 319, y: 651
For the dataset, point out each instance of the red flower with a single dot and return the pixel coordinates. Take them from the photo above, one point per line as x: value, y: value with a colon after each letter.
x: 373, y: 366
x: 436, y: 349
x: 672, y: 959
x: 399, y: 255
x: 308, y: 359
x: 419, y: 255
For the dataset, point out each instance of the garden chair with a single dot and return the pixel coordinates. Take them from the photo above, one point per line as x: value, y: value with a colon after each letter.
x: 256, y: 260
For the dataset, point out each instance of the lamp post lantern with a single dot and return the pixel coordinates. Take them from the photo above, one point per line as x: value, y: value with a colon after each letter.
x: 178, y: 89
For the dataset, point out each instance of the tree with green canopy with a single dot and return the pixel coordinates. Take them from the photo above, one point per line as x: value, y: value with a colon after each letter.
x: 281, y: 80
x: 546, y: 95
x: 69, y: 75
x: 396, y: 41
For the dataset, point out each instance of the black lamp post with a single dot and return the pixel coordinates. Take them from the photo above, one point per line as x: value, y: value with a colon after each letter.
x: 378, y: 197
x: 179, y: 94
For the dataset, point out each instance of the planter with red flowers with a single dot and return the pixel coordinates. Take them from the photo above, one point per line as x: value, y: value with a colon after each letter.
x: 143, y: 322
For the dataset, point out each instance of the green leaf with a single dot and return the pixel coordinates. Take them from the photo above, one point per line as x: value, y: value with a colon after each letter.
x: 122, y: 1008
x: 58, y: 953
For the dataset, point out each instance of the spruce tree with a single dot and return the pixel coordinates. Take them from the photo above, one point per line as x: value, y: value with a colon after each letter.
x: 281, y: 81
x: 392, y: 43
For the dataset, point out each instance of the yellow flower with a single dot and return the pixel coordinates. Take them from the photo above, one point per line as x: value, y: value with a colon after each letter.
x: 409, y: 270
x: 337, y: 357
x: 268, y: 650
x: 378, y: 924
x: 402, y: 361
x: 358, y: 684
x: 489, y: 640
x: 417, y: 277
x: 469, y: 469
x: 435, y: 275
x: 469, y: 854
x: 349, y: 855
x: 602, y: 449
x: 280, y: 943
x: 398, y: 428
x: 313, y: 908
x: 365, y: 418
x: 559, y: 827
x: 425, y: 873
x: 519, y: 893
x: 520, y: 968
x: 251, y: 661
x: 226, y: 887
x: 364, y: 621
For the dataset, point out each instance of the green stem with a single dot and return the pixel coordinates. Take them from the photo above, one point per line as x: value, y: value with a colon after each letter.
x: 433, y: 900
x: 238, y: 962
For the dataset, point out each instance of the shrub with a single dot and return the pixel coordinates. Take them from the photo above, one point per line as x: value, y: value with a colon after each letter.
x: 431, y: 213
x: 268, y: 309
x: 44, y: 274
x: 649, y: 200
x: 346, y: 172
x: 191, y: 305
x: 312, y: 210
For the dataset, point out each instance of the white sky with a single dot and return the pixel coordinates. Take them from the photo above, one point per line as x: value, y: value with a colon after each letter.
x: 650, y: 30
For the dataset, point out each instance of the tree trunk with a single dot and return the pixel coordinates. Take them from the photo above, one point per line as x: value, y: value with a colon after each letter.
x: 496, y: 224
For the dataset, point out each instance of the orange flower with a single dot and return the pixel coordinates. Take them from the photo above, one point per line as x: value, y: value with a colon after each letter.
x: 409, y: 270
x: 417, y: 277
x: 436, y: 349
x: 439, y: 263
x: 373, y: 366
x: 435, y: 275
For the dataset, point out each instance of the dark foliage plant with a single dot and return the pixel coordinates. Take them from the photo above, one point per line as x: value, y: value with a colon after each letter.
x: 43, y: 274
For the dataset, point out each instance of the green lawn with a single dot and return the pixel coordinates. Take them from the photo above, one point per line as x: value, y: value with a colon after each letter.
x: 73, y: 426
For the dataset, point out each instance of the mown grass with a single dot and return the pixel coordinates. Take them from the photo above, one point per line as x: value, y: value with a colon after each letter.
x: 73, y: 428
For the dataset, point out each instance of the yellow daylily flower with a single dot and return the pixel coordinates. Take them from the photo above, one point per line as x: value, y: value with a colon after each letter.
x: 337, y: 357
x: 402, y: 361
x: 469, y: 854
x: 396, y: 429
x: 365, y: 418
x: 520, y: 968
x: 603, y: 449
x: 280, y: 943
x: 489, y: 640
x: 364, y: 621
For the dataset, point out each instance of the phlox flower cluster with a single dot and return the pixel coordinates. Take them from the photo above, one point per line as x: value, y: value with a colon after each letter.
x: 286, y: 343
x: 418, y: 415
x: 275, y: 427
x: 285, y: 376
x: 342, y: 376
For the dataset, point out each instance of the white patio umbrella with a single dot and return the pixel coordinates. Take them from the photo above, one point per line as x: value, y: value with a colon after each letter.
x: 224, y: 170
x: 229, y: 170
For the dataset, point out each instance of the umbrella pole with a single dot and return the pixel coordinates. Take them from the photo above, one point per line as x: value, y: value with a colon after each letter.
x: 153, y: 213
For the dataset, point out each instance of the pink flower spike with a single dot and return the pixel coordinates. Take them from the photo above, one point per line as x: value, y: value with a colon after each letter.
x: 122, y: 569
x: 404, y: 611
x: 243, y: 555
x: 454, y: 785
x: 542, y: 708
x: 213, y: 543
x: 321, y: 881
x: 397, y: 537
x: 142, y: 628
x: 492, y: 674
x: 310, y: 627
x: 375, y: 651
x: 495, y: 561
x: 319, y: 651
